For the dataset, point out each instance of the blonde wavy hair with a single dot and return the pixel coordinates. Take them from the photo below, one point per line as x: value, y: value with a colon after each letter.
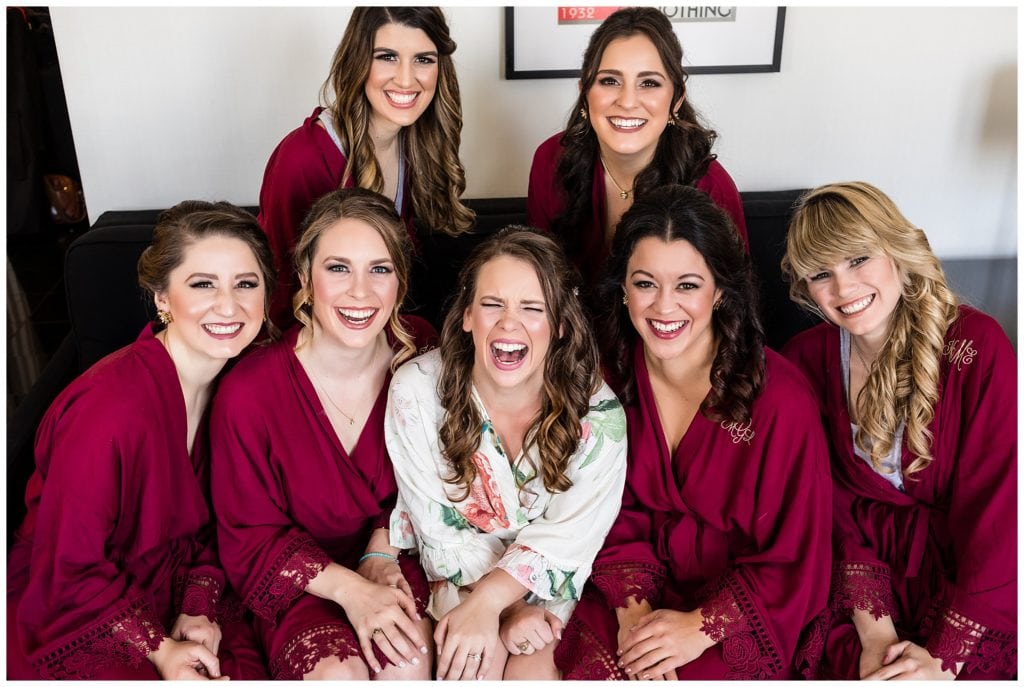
x: 377, y: 211
x: 836, y: 222
x: 431, y: 144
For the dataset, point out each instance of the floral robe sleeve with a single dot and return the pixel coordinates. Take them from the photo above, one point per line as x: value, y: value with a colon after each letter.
x: 545, y: 541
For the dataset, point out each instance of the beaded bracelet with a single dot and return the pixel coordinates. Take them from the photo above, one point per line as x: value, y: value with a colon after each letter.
x: 377, y: 554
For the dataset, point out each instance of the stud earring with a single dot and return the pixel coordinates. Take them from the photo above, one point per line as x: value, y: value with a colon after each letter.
x: 165, y: 317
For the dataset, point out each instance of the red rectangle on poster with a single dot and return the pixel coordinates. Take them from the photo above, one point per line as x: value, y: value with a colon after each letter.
x: 584, y: 15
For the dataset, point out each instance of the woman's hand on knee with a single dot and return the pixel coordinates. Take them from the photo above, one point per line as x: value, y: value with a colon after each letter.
x: 466, y: 638
x: 662, y: 641
x: 185, y: 660
x: 526, y: 628
x: 908, y: 661
x: 198, y: 628
x: 385, y: 616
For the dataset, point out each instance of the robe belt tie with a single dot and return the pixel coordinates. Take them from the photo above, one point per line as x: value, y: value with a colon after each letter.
x: 691, y: 550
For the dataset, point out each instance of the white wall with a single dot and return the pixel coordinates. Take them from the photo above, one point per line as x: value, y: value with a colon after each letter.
x: 168, y: 104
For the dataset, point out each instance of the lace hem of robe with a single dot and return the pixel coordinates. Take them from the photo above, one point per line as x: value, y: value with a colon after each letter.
x: 581, y: 655
x: 862, y: 587
x: 955, y: 638
x: 537, y: 573
x: 124, y: 637
x: 619, y: 581
x: 810, y: 648
x: 301, y: 654
x: 731, y: 618
x: 199, y: 594
x: 286, y: 580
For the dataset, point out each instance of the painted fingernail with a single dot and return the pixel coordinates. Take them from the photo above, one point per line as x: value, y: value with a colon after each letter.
x: 646, y: 676
x: 401, y: 664
x: 423, y: 649
x: 415, y: 661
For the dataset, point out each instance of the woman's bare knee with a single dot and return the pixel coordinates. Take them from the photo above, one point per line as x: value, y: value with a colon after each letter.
x: 539, y: 665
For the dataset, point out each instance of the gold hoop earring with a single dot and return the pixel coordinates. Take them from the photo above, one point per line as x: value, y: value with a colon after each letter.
x: 165, y: 317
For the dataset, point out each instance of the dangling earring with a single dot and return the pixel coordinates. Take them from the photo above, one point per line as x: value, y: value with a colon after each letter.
x: 583, y: 113
x: 165, y: 317
x: 718, y: 304
x: 625, y: 298
x: 674, y: 119
x: 309, y: 300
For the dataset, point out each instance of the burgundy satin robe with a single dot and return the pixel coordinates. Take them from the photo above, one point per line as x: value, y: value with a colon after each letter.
x: 734, y: 522
x: 290, y: 499
x: 118, y: 539
x: 940, y: 558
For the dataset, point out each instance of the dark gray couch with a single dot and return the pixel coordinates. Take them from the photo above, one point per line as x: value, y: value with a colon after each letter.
x: 107, y: 309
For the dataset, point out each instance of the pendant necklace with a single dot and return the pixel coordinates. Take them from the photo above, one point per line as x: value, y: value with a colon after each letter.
x: 623, y: 193
x: 319, y: 383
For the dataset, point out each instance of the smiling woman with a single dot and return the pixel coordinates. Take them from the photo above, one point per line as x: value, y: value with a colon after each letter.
x: 392, y: 107
x: 916, y: 391
x: 102, y: 578
x: 510, y: 457
x: 719, y: 558
x: 302, y: 482
x: 631, y: 130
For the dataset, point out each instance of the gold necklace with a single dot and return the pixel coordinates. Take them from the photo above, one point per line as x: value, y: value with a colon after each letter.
x: 623, y: 193
x: 320, y: 384
x: 856, y: 349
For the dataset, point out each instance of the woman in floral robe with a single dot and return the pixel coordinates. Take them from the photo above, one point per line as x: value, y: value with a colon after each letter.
x: 509, y: 453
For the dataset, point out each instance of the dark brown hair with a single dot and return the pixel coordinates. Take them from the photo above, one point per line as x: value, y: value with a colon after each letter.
x: 377, y: 211
x: 684, y: 149
x: 681, y: 213
x: 431, y: 144
x: 189, y: 221
x: 571, y: 368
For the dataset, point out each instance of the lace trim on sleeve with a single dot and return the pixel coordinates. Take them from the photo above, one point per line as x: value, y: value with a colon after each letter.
x: 124, y: 637
x: 619, y: 581
x: 731, y: 618
x: 955, y: 638
x: 199, y: 594
x: 286, y: 580
x: 862, y: 587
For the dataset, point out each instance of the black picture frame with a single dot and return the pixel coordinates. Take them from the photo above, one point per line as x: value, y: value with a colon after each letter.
x: 514, y: 73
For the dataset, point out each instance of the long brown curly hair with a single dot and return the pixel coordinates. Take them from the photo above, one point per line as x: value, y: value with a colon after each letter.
x: 681, y: 213
x: 834, y: 222
x: 431, y: 144
x: 683, y: 152
x: 377, y: 211
x: 571, y: 368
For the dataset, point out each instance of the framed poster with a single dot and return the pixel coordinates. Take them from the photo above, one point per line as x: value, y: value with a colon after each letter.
x: 548, y: 42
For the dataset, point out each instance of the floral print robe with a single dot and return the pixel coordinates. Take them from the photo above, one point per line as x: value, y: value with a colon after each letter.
x: 545, y: 541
